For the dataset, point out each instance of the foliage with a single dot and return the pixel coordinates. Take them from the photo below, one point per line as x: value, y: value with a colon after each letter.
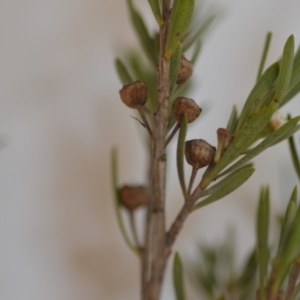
x: 246, y: 135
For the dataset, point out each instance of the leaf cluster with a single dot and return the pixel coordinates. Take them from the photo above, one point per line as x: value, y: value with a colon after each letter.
x: 267, y: 273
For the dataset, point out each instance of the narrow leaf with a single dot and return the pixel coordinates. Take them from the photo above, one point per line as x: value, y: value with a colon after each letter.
x: 297, y: 55
x: 178, y: 277
x: 181, y: 17
x: 232, y: 122
x: 295, y: 78
x: 154, y: 4
x: 114, y: 168
x: 249, y: 271
x: 286, y: 67
x: 291, y: 251
x: 287, y: 223
x: 264, y: 54
x: 263, y: 85
x: 142, y: 32
x: 219, y: 185
x: 196, y: 53
x: 229, y: 184
x: 180, y: 154
x: 241, y: 142
x: 262, y: 228
x: 201, y: 30
x: 294, y: 154
x: 291, y: 93
x: 288, y: 134
x: 175, y: 66
x: 124, y: 75
x: 269, y: 141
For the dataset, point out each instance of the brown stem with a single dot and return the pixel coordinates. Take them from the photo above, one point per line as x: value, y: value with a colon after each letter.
x: 192, y: 179
x: 153, y: 260
x: 178, y: 223
x: 292, y: 280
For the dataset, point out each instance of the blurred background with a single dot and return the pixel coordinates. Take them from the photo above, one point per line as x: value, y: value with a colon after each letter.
x: 60, y: 115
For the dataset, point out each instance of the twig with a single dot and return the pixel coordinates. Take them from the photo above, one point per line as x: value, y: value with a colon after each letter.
x: 153, y: 260
x: 178, y: 223
x: 192, y: 179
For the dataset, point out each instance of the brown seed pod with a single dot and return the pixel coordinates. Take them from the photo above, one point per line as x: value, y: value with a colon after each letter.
x: 134, y: 94
x: 186, y: 106
x: 199, y: 153
x: 185, y: 71
x: 133, y: 197
x: 223, y: 141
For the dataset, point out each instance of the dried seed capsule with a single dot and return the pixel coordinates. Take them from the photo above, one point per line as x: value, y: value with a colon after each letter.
x: 199, y: 153
x: 133, y: 197
x: 186, y: 106
x: 134, y: 94
x: 223, y: 141
x: 185, y: 71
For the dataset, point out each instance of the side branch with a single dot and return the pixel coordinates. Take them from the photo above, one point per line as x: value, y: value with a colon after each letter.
x: 177, y: 225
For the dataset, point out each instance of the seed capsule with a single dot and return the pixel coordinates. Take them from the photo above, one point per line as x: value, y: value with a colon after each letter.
x: 185, y: 71
x: 133, y: 197
x: 199, y: 153
x: 134, y: 94
x: 223, y: 141
x: 186, y: 106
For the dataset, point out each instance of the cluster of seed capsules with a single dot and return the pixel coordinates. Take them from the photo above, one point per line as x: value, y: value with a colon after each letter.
x: 198, y: 152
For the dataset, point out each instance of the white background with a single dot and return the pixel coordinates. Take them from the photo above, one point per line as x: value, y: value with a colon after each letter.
x: 60, y: 115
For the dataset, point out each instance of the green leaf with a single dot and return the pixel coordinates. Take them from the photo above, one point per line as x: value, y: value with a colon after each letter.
x: 201, y: 30
x: 282, y: 132
x: 261, y: 88
x: 294, y: 154
x: 241, y: 142
x: 178, y: 277
x: 219, y: 185
x: 287, y: 223
x: 154, y: 4
x: 295, y: 78
x: 142, y: 32
x: 264, y: 54
x: 232, y: 122
x: 294, y: 87
x: 124, y: 75
x: 291, y: 93
x: 290, y: 252
x: 114, y: 168
x: 288, y: 134
x: 175, y: 66
x: 182, y: 12
x: 227, y: 185
x: 249, y: 271
x: 286, y: 68
x: 262, y: 229
x: 180, y: 154
x: 196, y: 53
x: 297, y: 55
